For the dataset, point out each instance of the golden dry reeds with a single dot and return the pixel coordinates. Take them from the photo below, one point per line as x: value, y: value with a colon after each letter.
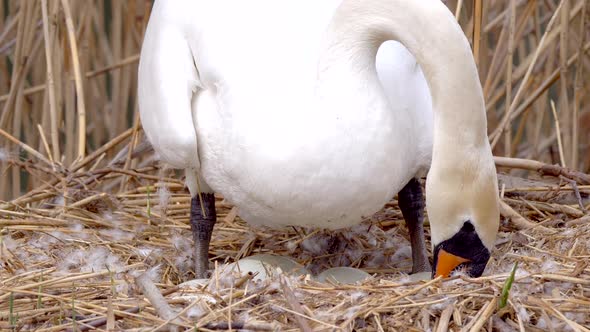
x: 86, y: 210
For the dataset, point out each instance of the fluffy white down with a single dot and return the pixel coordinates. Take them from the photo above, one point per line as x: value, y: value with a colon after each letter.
x: 284, y: 150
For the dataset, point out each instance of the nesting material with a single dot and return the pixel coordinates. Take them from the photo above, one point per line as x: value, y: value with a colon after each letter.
x: 71, y: 265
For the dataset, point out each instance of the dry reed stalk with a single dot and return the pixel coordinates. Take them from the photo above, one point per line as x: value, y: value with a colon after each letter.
x: 10, y: 117
x: 565, y: 114
x: 511, y: 28
x: 578, y: 89
x: 25, y: 147
x: 458, y: 9
x: 159, y: 302
x: 495, y: 58
x: 478, y: 12
x: 519, y: 221
x: 295, y: 306
x: 77, y: 79
x: 483, y: 315
x: 132, y: 145
x: 46, y: 145
x: 558, y: 133
x: 50, y: 84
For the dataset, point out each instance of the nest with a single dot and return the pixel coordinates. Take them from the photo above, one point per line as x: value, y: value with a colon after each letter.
x: 77, y: 257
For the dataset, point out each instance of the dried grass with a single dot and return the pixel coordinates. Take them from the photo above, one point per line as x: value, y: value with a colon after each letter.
x: 87, y: 209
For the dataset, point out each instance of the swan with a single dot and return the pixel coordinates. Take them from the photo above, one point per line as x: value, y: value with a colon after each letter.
x: 316, y: 113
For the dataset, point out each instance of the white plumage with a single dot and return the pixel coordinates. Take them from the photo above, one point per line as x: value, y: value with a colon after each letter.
x: 307, y: 113
x: 270, y: 139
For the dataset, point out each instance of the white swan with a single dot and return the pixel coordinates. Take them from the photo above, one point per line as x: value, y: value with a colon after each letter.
x: 300, y: 113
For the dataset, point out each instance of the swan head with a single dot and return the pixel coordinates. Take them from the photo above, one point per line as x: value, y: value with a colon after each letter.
x: 463, y: 209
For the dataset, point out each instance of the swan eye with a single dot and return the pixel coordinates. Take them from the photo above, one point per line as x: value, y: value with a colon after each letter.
x: 463, y: 267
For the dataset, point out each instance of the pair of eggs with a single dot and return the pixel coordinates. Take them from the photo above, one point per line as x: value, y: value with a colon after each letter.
x: 265, y: 266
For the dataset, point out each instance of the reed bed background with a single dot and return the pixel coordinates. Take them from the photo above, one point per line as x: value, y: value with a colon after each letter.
x: 85, y: 207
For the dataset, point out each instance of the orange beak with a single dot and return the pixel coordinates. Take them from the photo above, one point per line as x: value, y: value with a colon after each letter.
x: 447, y: 262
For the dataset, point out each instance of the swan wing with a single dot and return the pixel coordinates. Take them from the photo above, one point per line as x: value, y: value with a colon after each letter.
x: 167, y: 81
x: 407, y: 91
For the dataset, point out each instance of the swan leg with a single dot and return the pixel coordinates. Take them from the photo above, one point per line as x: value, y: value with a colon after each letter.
x: 411, y: 202
x: 203, y: 217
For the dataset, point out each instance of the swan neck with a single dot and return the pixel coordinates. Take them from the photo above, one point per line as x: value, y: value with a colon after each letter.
x: 430, y: 32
